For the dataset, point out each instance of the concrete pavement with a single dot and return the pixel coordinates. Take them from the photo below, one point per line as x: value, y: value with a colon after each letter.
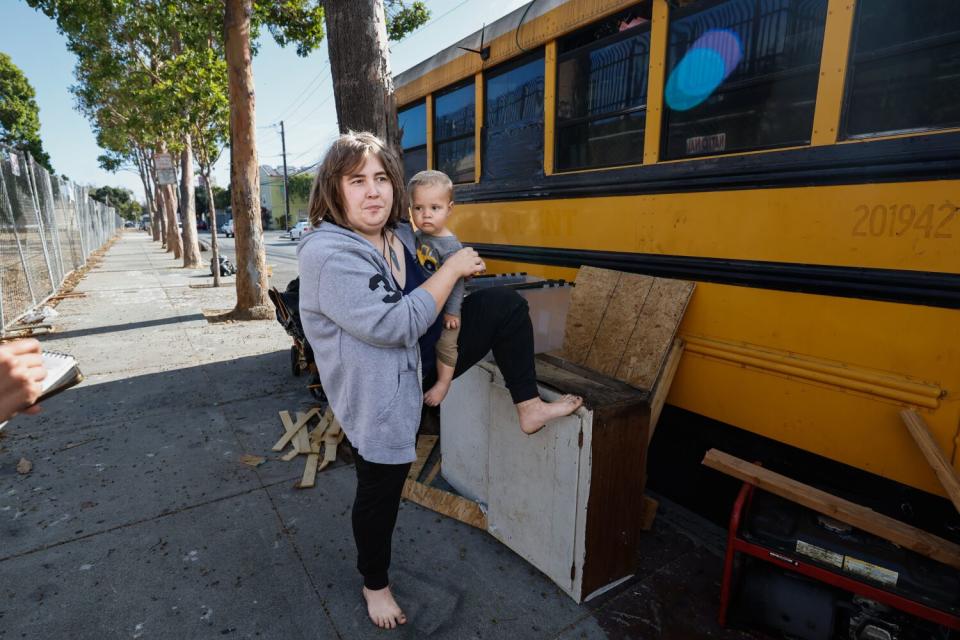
x: 139, y: 521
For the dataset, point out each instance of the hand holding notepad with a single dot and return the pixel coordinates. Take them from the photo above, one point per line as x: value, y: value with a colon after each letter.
x: 28, y: 376
x: 63, y: 372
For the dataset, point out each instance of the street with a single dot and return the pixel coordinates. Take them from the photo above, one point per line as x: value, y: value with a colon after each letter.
x: 281, y: 254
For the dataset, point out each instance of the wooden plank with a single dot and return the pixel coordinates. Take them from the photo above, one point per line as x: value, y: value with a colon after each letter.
x: 432, y: 474
x: 921, y: 434
x: 861, y: 517
x: 289, y: 455
x: 309, y: 478
x: 445, y: 503
x: 301, y: 439
x: 588, y: 302
x: 618, y: 322
x: 648, y: 512
x: 664, y: 382
x: 425, y: 445
x: 291, y: 428
x: 654, y: 332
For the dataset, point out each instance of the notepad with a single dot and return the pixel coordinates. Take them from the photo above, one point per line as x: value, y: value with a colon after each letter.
x: 63, y: 372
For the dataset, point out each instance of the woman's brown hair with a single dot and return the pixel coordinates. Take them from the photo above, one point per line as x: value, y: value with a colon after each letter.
x: 345, y: 155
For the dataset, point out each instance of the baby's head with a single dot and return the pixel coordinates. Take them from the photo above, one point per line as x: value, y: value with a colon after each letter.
x: 431, y: 201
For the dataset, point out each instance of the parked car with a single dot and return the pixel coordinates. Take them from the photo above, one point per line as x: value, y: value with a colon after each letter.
x: 227, y: 228
x: 129, y: 224
x: 297, y: 231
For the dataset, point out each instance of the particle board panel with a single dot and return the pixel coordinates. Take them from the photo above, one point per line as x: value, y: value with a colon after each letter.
x: 588, y: 303
x: 617, y: 325
x: 654, y: 332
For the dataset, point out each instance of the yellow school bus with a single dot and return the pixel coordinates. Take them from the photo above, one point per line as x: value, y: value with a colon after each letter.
x: 798, y: 159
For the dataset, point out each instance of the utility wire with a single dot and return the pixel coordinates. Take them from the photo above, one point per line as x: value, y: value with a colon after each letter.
x: 428, y: 23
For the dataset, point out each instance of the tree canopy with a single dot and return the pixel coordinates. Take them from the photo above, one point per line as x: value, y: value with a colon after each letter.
x: 19, y: 113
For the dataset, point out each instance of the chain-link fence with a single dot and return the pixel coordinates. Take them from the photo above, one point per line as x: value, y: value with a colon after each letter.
x: 48, y: 227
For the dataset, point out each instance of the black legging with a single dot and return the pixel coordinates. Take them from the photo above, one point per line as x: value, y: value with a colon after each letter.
x: 497, y: 319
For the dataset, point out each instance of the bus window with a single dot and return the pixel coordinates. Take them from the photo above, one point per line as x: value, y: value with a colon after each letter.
x: 602, y: 93
x: 413, y: 140
x: 904, y: 72
x: 513, y: 120
x: 741, y: 75
x: 453, y: 132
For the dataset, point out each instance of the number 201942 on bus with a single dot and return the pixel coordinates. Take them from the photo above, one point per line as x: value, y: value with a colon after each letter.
x: 931, y: 220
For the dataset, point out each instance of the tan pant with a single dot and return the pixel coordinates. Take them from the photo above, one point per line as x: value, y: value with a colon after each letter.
x: 447, y: 347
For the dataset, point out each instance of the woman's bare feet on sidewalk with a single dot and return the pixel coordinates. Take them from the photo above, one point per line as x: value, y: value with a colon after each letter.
x: 535, y: 413
x: 383, y: 609
x: 437, y: 393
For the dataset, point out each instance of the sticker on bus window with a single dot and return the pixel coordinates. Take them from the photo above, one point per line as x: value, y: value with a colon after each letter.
x: 703, y: 68
x: 706, y: 144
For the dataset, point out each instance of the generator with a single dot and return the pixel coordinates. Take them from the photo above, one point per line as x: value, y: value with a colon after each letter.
x: 800, y: 574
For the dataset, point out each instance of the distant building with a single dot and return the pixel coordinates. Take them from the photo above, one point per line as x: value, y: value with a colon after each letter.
x: 271, y: 195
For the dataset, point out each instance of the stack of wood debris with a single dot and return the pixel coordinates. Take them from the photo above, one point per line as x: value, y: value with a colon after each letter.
x: 307, y: 440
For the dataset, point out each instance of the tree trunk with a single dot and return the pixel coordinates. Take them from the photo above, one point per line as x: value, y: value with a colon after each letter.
x: 252, y: 301
x: 173, y: 240
x: 156, y: 221
x: 144, y: 171
x: 214, y: 246
x: 188, y: 211
x: 360, y: 66
x: 161, y: 215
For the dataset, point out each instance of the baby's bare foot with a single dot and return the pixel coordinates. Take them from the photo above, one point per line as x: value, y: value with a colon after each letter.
x: 436, y: 394
x: 535, y: 413
x: 383, y: 609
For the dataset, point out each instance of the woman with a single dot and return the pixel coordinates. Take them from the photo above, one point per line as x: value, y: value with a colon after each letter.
x: 368, y: 312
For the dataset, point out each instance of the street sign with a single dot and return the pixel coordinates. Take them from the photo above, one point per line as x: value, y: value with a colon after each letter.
x: 166, y: 174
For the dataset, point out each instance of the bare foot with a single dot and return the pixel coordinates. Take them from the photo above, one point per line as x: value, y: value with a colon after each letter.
x: 436, y: 394
x: 383, y: 609
x: 535, y: 413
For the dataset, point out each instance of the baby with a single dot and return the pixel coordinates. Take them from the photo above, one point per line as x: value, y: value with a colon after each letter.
x: 431, y: 203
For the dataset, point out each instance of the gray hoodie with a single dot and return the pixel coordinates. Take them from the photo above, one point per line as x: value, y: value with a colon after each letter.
x: 364, y: 335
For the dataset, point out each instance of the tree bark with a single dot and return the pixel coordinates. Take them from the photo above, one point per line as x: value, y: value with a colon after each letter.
x: 188, y: 211
x: 156, y: 222
x: 144, y: 171
x: 161, y: 215
x: 214, y: 246
x: 173, y: 240
x: 252, y: 301
x: 360, y: 66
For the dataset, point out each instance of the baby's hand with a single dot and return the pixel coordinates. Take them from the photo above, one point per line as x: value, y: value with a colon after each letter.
x: 451, y: 322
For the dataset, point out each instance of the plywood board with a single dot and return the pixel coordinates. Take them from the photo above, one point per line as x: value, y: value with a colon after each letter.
x: 445, y: 503
x: 663, y: 384
x: 425, y: 445
x: 588, y: 303
x: 618, y: 322
x: 843, y: 510
x: 654, y: 332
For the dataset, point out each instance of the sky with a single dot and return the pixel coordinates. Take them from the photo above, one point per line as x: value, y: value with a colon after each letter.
x: 297, y: 90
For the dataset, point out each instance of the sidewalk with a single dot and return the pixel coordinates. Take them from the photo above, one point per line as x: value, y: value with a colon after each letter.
x: 139, y: 521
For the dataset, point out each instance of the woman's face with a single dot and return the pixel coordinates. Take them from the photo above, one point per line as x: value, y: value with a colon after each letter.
x: 367, y: 197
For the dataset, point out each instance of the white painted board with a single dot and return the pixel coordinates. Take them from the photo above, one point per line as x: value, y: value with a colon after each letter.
x: 464, y: 433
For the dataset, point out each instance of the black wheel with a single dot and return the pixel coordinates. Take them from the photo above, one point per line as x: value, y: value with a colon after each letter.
x: 295, y: 361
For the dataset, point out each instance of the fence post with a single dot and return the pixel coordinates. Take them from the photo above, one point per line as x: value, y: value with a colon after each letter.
x: 35, y: 196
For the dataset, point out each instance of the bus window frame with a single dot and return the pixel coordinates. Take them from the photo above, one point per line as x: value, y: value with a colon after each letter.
x: 842, y: 134
x: 695, y: 7
x: 531, y: 55
x: 435, y: 142
x: 561, y: 57
x: 426, y: 123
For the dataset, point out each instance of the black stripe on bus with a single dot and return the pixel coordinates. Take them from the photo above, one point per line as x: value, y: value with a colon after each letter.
x: 889, y: 285
x: 922, y: 157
